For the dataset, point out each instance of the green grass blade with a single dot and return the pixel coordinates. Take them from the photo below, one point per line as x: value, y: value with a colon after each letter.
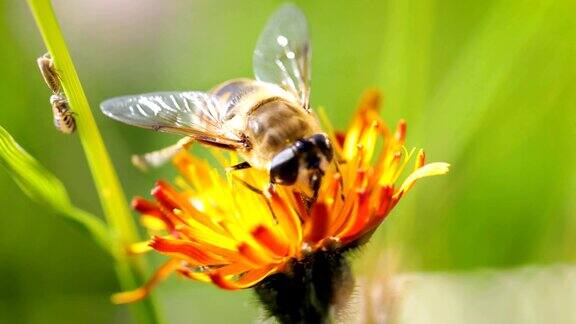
x: 107, y: 183
x: 131, y: 271
x: 43, y: 187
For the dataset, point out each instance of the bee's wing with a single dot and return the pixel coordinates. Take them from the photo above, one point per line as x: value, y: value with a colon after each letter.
x: 282, y: 54
x: 194, y: 114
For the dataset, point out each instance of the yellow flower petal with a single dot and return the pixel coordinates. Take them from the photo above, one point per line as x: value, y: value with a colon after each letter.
x: 142, y: 292
x: 432, y: 169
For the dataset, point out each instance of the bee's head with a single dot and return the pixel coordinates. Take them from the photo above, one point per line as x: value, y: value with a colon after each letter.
x: 303, y: 163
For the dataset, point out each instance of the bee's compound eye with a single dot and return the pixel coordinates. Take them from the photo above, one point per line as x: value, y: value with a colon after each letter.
x: 323, y: 144
x: 284, y: 167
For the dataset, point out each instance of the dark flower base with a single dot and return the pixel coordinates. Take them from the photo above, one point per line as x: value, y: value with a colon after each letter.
x: 307, y: 290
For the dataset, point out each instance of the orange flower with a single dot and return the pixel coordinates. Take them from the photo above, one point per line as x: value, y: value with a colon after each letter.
x: 214, y: 228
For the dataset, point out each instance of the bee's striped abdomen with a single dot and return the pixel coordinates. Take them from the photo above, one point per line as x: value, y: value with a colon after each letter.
x: 63, y: 117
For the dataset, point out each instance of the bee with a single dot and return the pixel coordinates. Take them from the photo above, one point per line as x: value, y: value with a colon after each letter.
x: 267, y: 121
x: 48, y: 71
x: 63, y: 117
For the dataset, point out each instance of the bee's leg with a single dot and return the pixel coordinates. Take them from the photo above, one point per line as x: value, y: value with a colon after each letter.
x: 239, y: 166
x: 308, y: 202
x: 258, y: 191
x: 316, y: 182
x: 247, y: 185
x: 338, y: 159
x: 340, y: 179
x: 242, y: 166
x: 158, y: 158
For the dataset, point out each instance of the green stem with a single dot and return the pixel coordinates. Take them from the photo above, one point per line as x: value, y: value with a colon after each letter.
x: 130, y: 270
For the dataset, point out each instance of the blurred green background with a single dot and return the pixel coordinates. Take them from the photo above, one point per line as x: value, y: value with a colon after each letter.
x: 489, y: 86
